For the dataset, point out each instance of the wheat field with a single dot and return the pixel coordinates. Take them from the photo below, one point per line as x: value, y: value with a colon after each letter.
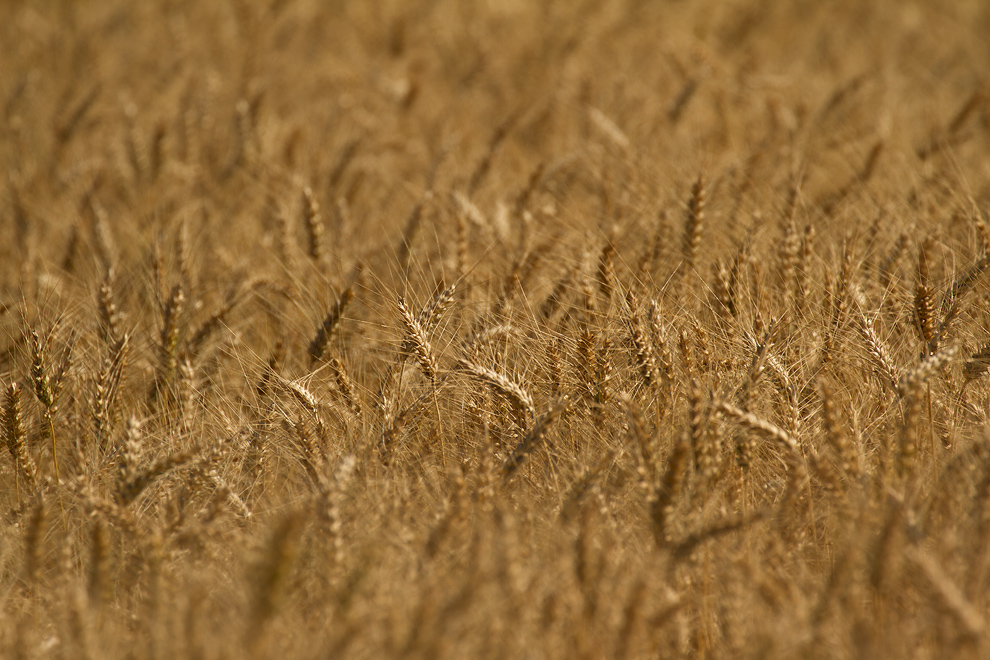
x: 495, y: 329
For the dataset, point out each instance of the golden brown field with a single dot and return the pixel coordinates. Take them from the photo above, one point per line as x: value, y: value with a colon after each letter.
x: 506, y: 329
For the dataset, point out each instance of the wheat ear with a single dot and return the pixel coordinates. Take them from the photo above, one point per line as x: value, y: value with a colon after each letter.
x: 694, y: 224
x: 107, y: 383
x: 522, y: 402
x: 417, y: 340
x: 325, y: 331
x: 111, y: 318
x: 14, y: 435
x: 882, y: 362
x: 344, y: 384
x: 644, y: 351
x: 669, y: 485
x: 924, y: 301
x: 47, y: 391
x: 761, y: 426
x: 314, y: 224
x: 531, y: 439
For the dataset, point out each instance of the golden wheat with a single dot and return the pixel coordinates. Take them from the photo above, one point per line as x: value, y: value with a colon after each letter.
x: 455, y: 329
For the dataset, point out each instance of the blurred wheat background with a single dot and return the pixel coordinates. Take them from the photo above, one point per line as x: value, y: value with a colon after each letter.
x: 506, y: 329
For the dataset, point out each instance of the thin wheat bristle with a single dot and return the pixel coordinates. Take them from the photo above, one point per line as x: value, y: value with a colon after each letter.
x: 955, y: 299
x: 212, y: 325
x: 398, y: 423
x: 555, y: 352
x: 463, y: 247
x: 965, y: 282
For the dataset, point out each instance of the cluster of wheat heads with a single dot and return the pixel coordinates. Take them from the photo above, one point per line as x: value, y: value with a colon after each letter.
x: 455, y: 329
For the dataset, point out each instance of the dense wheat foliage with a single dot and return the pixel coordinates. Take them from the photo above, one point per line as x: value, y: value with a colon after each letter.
x: 505, y: 329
